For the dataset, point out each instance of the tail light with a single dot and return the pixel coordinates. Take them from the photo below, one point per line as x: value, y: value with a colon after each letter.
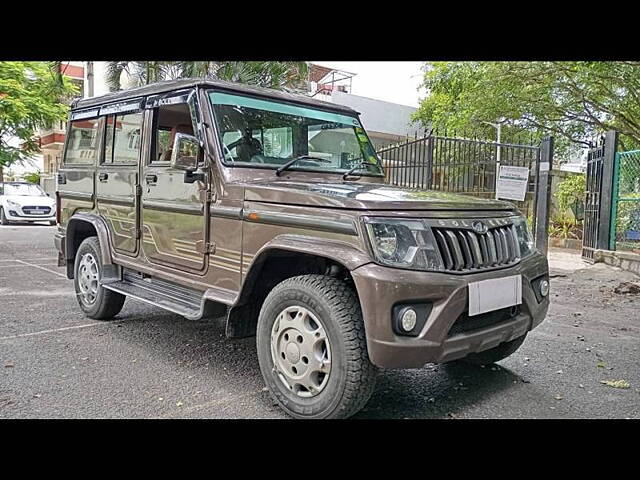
x: 57, y: 207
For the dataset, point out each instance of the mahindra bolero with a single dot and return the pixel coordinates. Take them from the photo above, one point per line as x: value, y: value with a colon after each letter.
x: 212, y: 199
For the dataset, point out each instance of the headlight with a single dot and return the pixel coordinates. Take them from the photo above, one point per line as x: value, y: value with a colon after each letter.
x: 403, y: 243
x: 13, y: 204
x: 524, y: 237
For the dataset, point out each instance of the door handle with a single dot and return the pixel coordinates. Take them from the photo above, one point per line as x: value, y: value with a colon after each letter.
x: 151, y: 178
x: 103, y: 177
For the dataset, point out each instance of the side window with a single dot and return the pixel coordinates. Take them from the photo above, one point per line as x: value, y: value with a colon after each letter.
x: 168, y: 121
x: 126, y: 143
x: 82, y: 145
x: 122, y: 138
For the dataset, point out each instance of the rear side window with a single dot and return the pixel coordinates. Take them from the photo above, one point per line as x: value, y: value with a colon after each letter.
x: 82, y: 146
x: 123, y: 138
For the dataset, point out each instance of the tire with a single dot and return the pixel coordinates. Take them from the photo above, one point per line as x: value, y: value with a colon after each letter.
x: 333, y: 307
x: 494, y: 354
x: 104, y: 304
x: 3, y: 219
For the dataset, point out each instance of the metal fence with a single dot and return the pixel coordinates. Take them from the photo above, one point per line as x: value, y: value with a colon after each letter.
x: 461, y: 165
x: 625, y: 211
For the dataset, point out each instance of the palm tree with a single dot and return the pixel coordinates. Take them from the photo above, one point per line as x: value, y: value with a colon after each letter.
x: 289, y: 76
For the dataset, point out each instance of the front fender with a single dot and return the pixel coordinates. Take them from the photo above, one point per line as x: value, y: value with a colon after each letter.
x: 341, y: 252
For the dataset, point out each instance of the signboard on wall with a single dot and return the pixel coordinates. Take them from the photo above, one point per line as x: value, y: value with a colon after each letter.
x: 512, y: 182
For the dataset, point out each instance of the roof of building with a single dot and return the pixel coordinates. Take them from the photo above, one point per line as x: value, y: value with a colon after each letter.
x: 169, y: 85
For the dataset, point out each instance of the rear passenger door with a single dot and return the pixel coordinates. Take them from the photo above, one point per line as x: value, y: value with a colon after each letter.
x: 117, y: 176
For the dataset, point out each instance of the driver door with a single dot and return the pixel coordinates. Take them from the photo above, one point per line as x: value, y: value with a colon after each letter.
x: 174, y: 217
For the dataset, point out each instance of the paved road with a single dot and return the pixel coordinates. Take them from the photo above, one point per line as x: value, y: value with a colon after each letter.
x: 55, y: 363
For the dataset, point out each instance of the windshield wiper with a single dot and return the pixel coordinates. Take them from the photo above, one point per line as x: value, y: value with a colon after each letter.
x: 359, y: 166
x: 297, y: 159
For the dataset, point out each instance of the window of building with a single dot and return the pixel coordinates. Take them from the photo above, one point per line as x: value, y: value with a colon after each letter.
x: 83, y: 141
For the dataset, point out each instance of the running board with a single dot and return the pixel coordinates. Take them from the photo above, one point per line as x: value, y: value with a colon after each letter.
x: 184, y: 301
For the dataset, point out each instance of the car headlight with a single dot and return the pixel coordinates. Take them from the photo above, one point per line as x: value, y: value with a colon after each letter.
x: 525, y: 240
x: 13, y: 204
x: 403, y: 243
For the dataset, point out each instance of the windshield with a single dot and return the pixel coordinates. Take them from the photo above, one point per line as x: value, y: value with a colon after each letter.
x: 268, y: 134
x: 23, y: 189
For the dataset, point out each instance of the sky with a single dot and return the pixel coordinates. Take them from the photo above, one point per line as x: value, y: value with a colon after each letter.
x: 396, y: 82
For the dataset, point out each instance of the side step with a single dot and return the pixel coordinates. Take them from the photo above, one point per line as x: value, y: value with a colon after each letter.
x: 175, y: 298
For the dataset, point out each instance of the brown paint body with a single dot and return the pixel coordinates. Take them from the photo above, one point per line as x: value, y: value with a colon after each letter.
x: 208, y: 235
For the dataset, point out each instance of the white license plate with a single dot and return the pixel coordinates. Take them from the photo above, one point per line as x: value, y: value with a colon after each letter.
x: 493, y: 294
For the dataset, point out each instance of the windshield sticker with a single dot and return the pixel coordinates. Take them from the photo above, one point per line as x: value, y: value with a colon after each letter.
x: 271, y: 106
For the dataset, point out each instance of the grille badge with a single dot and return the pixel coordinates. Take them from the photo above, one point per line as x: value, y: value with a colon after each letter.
x: 479, y: 227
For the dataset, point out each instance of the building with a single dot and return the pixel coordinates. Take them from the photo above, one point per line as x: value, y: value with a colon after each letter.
x: 385, y: 122
x: 51, y: 140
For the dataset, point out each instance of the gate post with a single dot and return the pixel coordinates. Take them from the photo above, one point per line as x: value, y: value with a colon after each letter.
x: 606, y: 192
x: 543, y: 202
x: 429, y: 161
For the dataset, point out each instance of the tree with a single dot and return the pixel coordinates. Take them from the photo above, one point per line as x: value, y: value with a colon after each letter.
x: 32, y: 177
x: 574, y: 101
x: 32, y: 95
x: 277, y: 75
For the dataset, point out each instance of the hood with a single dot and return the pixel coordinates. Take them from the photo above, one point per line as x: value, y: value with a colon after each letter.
x: 365, y: 196
x: 31, y: 200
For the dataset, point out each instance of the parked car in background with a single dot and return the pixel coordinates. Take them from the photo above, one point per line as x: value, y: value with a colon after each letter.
x: 24, y: 202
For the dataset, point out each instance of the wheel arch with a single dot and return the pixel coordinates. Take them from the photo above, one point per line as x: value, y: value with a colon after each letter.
x: 284, y: 257
x: 80, y: 227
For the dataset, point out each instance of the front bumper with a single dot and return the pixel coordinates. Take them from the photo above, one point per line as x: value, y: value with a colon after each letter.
x: 17, y: 215
x: 380, y: 288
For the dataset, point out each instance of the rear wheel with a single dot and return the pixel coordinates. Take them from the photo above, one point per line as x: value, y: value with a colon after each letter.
x: 494, y: 354
x: 312, y: 348
x: 95, y: 301
x: 3, y: 218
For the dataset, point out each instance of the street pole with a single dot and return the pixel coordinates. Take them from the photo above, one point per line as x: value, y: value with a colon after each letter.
x: 90, y: 79
x: 498, y: 158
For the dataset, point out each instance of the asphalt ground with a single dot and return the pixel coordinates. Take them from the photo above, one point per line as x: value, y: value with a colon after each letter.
x: 148, y: 363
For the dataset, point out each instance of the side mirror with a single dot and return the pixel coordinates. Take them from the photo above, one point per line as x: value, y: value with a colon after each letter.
x: 184, y: 155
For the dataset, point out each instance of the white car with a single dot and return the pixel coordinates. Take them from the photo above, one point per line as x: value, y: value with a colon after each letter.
x: 25, y: 202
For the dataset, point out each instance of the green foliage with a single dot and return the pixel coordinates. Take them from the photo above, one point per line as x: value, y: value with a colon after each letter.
x: 32, y: 177
x: 571, y: 190
x: 32, y: 95
x: 563, y: 226
x: 574, y: 101
x: 277, y: 75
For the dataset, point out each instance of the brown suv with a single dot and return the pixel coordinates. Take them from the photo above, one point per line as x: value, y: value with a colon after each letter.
x: 214, y: 199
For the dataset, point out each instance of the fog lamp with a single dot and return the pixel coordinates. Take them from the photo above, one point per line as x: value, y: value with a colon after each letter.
x: 544, y: 288
x: 408, y: 319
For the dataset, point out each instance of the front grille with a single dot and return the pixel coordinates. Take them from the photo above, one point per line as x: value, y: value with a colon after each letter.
x: 465, y: 323
x: 464, y: 250
x: 36, y: 210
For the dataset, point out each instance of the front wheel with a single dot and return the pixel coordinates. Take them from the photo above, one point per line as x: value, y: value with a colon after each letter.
x: 95, y: 301
x: 312, y: 348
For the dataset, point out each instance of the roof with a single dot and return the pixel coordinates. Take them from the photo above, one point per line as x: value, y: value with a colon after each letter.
x: 169, y: 85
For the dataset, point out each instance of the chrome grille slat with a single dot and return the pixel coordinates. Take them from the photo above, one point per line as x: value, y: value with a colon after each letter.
x: 458, y: 258
x: 464, y: 250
